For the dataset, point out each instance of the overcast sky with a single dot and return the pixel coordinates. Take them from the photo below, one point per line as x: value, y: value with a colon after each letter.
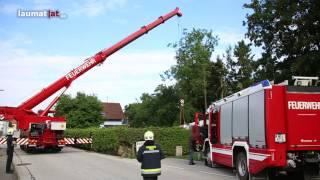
x: 34, y: 52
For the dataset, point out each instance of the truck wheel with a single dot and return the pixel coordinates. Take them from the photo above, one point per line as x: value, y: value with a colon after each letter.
x: 53, y: 149
x: 311, y: 172
x: 57, y: 149
x: 296, y: 175
x: 23, y: 147
x: 271, y: 174
x: 30, y: 150
x: 307, y: 176
x: 242, y: 167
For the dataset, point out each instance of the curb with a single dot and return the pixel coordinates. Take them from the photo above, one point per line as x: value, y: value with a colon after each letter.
x: 3, y: 160
x: 22, y: 172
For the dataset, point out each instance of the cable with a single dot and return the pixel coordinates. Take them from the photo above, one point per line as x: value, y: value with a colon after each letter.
x: 179, y: 28
x: 21, y: 162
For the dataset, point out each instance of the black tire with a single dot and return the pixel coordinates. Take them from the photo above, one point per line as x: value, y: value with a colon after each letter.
x: 242, y: 167
x: 307, y: 176
x: 311, y: 172
x: 58, y: 149
x: 30, y: 150
x: 23, y: 147
x: 52, y: 149
x: 271, y: 174
x: 296, y: 175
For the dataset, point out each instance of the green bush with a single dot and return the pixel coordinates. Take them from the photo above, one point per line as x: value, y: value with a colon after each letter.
x: 79, y: 133
x: 109, y: 140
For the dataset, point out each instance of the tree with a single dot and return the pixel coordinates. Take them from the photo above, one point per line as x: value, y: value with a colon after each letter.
x: 231, y: 76
x: 265, y: 68
x: 159, y: 109
x: 193, y: 53
x: 130, y: 112
x: 167, y: 105
x: 217, y: 80
x: 288, y: 32
x: 140, y: 114
x: 81, y: 112
x: 242, y: 53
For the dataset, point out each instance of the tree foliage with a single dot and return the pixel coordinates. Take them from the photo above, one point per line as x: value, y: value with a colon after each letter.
x: 231, y: 76
x: 192, y: 71
x: 244, y: 64
x: 265, y: 67
x: 239, y: 66
x: 200, y: 80
x: 81, y: 112
x: 288, y: 32
x: 217, y: 85
x: 158, y: 109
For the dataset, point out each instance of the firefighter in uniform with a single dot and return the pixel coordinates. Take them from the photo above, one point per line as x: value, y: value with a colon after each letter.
x: 191, y: 149
x: 10, y: 148
x: 150, y: 156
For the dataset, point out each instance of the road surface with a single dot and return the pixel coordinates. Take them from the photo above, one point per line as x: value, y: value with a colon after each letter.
x: 3, y: 160
x: 77, y: 164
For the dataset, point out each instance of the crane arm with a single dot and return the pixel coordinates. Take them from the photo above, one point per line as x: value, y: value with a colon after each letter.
x: 91, y: 62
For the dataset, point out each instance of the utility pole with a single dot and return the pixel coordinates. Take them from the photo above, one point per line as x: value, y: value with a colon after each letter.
x: 182, y: 118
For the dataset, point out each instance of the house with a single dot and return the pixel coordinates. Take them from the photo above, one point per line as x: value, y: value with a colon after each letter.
x: 113, y: 115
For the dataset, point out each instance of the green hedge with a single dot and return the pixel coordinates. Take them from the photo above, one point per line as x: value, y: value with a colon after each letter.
x: 109, y: 140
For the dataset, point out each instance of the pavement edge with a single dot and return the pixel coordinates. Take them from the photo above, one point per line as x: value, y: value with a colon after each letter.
x: 20, y: 171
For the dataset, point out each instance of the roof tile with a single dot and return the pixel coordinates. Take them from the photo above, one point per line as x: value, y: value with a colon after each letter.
x: 113, y: 111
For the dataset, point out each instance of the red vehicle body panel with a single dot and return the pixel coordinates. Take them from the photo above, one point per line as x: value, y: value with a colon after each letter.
x: 303, y: 121
x: 291, y: 111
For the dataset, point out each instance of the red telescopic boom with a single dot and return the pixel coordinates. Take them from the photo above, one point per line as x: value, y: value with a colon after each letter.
x: 91, y: 62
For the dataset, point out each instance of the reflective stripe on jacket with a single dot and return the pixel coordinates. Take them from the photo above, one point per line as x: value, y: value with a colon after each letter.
x: 151, y: 171
x: 10, y: 131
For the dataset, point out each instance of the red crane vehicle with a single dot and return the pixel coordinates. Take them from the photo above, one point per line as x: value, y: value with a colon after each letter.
x: 265, y: 129
x: 43, y: 131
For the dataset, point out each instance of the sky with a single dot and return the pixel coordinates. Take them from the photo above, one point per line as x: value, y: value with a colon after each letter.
x: 36, y: 51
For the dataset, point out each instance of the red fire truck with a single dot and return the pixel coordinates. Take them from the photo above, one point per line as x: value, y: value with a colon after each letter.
x: 265, y: 129
x: 45, y: 132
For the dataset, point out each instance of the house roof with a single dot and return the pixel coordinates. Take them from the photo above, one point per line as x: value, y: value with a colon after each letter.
x: 112, y: 111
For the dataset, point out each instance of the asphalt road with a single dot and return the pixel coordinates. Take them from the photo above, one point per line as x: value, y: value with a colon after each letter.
x: 3, y: 160
x: 82, y: 165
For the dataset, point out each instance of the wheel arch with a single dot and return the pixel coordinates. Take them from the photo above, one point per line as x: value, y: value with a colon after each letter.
x: 240, y: 146
x: 206, y: 144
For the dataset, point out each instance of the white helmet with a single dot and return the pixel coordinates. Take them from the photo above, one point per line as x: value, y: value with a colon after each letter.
x: 148, y: 136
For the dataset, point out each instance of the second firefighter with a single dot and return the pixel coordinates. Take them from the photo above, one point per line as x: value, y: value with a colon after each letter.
x: 150, y: 156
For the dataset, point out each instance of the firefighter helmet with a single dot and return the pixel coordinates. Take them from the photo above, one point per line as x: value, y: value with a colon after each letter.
x: 148, y: 135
